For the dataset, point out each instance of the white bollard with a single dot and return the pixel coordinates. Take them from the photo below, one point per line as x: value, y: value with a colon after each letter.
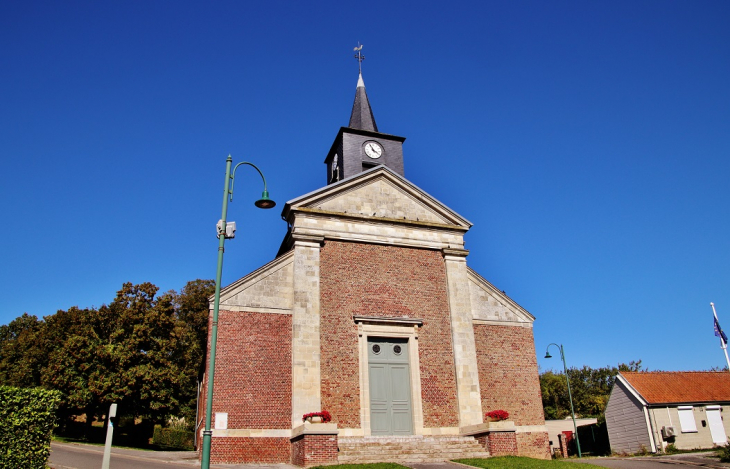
x: 109, y: 433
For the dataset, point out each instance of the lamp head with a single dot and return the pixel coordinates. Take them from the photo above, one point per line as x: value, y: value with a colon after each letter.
x: 265, y: 201
x: 547, y: 354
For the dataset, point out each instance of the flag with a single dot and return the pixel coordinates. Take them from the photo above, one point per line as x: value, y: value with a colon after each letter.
x: 719, y: 333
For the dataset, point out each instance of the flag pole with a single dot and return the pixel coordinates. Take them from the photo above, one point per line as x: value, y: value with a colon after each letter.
x: 723, y: 344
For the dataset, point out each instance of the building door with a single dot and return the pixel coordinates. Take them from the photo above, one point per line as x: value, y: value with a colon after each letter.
x: 390, y: 387
x: 714, y: 420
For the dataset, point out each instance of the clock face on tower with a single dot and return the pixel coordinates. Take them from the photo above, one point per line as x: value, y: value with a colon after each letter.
x: 373, y: 149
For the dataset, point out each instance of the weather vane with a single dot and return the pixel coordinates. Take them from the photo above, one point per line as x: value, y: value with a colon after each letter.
x: 359, y: 56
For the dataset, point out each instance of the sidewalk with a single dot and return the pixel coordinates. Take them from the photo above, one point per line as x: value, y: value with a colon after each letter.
x: 179, y: 458
x: 705, y: 459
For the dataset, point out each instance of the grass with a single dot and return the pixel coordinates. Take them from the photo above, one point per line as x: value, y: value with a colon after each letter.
x: 380, y: 465
x: 515, y: 462
x: 66, y: 439
x: 501, y: 462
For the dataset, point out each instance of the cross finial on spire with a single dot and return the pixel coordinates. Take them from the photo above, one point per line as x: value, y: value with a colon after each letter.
x: 359, y: 56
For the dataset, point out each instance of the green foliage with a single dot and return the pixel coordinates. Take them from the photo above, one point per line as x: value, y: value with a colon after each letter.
x: 21, y: 359
x: 515, y: 462
x: 379, y: 465
x: 143, y: 351
x: 671, y: 449
x: 724, y: 452
x: 191, y: 306
x: 27, y: 420
x: 590, y: 389
x: 172, y: 438
x: 121, y: 353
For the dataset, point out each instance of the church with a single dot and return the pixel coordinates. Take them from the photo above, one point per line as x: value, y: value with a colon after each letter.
x: 370, y: 313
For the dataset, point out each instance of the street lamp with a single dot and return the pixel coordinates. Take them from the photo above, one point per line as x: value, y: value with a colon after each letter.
x: 570, y: 396
x: 223, y: 233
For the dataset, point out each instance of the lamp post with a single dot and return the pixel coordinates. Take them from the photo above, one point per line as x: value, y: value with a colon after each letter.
x: 223, y: 233
x: 570, y: 396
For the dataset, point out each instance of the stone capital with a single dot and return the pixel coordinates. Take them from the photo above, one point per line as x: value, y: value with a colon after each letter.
x: 455, y: 254
x: 307, y: 240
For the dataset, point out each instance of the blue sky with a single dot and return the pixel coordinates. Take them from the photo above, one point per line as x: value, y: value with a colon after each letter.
x: 588, y: 142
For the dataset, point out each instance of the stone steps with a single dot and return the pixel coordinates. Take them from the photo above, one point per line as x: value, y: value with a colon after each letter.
x: 413, y: 449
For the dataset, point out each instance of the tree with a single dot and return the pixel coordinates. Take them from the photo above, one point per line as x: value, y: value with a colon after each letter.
x: 590, y: 388
x: 192, y: 308
x: 123, y: 353
x: 143, y: 351
x: 21, y: 358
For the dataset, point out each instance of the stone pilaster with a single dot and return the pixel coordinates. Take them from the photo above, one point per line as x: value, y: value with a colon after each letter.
x: 306, y: 383
x: 462, y: 330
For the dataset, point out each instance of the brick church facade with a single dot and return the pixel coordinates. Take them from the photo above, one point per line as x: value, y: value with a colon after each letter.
x: 370, y: 312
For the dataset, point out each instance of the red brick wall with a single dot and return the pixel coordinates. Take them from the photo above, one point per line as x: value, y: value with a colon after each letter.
x: 533, y: 445
x: 250, y: 450
x: 313, y: 450
x: 502, y: 444
x: 508, y: 375
x: 387, y: 281
x: 253, y: 369
x: 252, y: 382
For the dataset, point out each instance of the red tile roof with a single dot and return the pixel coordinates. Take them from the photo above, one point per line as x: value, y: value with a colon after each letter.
x: 676, y: 387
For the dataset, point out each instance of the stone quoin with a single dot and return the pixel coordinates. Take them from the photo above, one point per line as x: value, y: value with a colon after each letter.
x: 370, y: 312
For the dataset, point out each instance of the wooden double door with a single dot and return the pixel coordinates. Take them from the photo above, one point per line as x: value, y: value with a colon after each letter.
x: 390, y: 387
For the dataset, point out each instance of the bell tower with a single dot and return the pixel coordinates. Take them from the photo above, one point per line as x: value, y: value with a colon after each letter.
x: 360, y: 146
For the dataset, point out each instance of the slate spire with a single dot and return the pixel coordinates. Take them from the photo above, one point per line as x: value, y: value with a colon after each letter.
x: 362, y: 115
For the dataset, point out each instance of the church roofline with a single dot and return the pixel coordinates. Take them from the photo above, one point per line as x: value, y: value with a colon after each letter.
x: 356, y: 216
x: 230, y: 289
x: 379, y: 170
x: 497, y: 292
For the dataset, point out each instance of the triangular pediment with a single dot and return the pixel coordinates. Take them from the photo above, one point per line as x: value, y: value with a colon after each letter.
x: 382, y: 194
x: 268, y: 289
x: 492, y: 305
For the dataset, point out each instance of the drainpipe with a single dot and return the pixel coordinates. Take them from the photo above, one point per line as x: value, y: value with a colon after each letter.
x: 654, y: 430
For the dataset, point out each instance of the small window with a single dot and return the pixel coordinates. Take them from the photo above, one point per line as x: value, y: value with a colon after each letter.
x: 687, y: 419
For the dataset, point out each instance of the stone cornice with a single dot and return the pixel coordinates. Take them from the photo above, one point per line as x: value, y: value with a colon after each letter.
x: 357, y: 216
x: 306, y: 239
x: 315, y: 429
x: 389, y: 321
x: 455, y: 252
x: 493, y: 322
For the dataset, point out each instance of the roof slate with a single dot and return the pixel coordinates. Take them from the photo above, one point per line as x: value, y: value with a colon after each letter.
x: 362, y: 114
x: 677, y: 387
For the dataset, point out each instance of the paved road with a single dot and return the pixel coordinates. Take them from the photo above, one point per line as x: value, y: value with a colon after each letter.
x: 79, y: 456
x: 629, y: 463
x: 698, y: 460
x: 76, y: 456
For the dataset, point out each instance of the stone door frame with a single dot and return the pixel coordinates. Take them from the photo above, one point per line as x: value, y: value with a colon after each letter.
x: 390, y: 328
